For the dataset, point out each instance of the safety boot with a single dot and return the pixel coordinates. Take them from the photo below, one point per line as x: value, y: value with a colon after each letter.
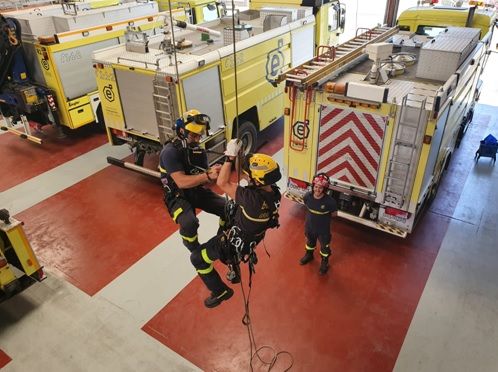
x: 213, y: 300
x: 308, y: 257
x: 324, y: 266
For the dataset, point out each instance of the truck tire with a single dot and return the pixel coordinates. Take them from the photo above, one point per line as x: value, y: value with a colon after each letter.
x: 100, y: 123
x: 249, y: 136
x: 139, y: 156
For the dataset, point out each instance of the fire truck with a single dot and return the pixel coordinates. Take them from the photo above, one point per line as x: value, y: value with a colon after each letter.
x: 47, y: 75
x: 330, y: 17
x: 381, y: 115
x: 145, y: 89
x: 19, y: 266
x: 196, y: 11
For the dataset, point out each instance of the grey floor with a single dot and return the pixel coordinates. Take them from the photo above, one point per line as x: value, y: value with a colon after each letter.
x: 455, y: 327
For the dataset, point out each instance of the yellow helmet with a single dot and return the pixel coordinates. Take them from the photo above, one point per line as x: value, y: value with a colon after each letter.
x: 261, y: 168
x: 196, y: 122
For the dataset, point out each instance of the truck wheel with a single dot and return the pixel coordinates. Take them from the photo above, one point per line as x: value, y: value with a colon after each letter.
x: 248, y: 135
x: 12, y: 288
x: 100, y: 123
x: 139, y: 156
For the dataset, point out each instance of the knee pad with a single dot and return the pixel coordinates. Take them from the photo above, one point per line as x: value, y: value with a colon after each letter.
x: 189, y: 227
x: 196, y: 258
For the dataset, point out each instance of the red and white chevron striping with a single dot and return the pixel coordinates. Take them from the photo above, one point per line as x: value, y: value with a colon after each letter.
x: 350, y: 145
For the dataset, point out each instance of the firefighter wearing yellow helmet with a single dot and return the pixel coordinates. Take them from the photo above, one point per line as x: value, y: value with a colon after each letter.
x: 195, y: 122
x: 255, y: 209
x: 184, y: 173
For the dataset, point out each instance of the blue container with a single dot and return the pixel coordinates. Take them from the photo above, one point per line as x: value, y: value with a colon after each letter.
x: 488, y: 148
x: 490, y: 140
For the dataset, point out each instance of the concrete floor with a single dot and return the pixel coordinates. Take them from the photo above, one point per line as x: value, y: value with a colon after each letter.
x: 133, y: 303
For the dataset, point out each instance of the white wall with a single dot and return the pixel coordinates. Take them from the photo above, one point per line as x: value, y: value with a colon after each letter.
x: 367, y: 13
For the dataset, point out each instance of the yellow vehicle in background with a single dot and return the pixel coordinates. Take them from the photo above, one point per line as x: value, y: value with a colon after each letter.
x: 330, y: 17
x: 430, y: 21
x: 54, y: 83
x: 382, y: 114
x: 196, y: 11
x: 19, y: 266
x: 144, y: 92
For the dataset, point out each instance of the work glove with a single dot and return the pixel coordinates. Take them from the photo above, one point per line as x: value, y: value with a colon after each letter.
x: 233, y: 147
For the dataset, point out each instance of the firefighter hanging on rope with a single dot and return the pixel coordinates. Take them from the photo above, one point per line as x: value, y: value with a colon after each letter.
x: 254, y: 210
x: 184, y: 172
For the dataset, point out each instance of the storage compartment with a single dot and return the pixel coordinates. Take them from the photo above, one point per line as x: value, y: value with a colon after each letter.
x: 81, y: 115
x: 103, y: 16
x: 441, y: 57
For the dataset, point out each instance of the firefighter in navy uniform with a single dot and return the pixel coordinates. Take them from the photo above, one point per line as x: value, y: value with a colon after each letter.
x: 184, y: 172
x: 320, y: 209
x: 255, y: 210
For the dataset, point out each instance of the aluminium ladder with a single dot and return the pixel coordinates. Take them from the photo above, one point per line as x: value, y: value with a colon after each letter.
x: 164, y: 97
x: 403, y: 158
x: 311, y: 72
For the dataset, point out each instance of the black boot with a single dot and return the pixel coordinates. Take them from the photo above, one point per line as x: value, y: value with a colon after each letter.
x: 213, y: 300
x: 308, y: 257
x: 324, y: 266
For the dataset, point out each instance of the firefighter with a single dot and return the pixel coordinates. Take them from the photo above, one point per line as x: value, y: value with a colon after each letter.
x: 321, y: 207
x: 184, y: 173
x: 255, y: 210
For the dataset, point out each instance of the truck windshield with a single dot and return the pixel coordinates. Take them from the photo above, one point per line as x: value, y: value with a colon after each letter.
x: 430, y: 31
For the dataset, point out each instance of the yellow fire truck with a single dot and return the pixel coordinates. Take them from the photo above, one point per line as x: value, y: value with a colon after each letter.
x: 196, y: 11
x: 330, y: 17
x: 18, y: 263
x: 57, y: 42
x: 144, y: 92
x: 381, y: 114
x: 429, y: 21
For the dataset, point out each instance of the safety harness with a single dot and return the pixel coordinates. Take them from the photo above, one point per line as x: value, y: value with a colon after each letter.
x: 192, y: 159
x: 240, y: 246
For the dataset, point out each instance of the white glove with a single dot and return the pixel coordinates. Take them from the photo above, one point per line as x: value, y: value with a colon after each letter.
x: 233, y: 147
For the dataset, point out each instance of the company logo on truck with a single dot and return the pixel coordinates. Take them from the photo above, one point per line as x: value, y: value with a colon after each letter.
x: 108, y: 93
x: 275, y: 62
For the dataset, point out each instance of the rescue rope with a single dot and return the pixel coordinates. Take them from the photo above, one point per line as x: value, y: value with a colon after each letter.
x: 235, y: 80
x: 255, y: 351
x: 173, y: 42
x: 236, y: 86
x: 246, y: 319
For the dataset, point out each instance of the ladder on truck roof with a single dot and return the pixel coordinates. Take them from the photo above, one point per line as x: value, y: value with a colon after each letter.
x: 311, y: 72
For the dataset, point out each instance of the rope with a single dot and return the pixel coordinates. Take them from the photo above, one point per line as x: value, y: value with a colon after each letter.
x: 246, y: 319
x: 236, y: 86
x: 173, y: 41
x: 255, y: 352
x: 235, y: 72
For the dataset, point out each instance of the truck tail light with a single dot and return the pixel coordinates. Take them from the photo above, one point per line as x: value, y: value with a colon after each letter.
x: 397, y: 212
x: 118, y: 133
x: 298, y: 184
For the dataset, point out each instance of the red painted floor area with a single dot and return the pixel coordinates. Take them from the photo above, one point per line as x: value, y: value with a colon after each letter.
x: 353, y: 319
x: 4, y: 359
x: 93, y: 231
x: 23, y: 160
x: 96, y: 229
